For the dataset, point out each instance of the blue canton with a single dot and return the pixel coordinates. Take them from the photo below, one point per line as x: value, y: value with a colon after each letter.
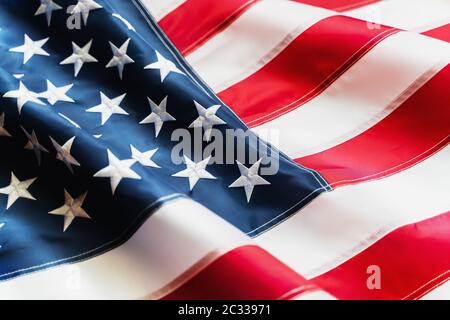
x: 86, y: 117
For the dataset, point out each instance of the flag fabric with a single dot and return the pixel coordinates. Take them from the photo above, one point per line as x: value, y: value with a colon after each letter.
x: 94, y: 93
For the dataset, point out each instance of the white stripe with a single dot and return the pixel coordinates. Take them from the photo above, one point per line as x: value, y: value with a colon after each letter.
x: 160, y: 8
x: 339, y: 224
x: 404, y: 14
x: 256, y: 37
x: 440, y: 293
x: 315, y: 295
x: 173, y: 239
x: 365, y: 94
x: 432, y: 26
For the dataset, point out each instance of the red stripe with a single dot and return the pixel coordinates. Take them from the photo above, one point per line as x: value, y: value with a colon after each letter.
x: 195, y: 21
x: 338, y: 5
x: 413, y: 260
x: 415, y: 130
x: 304, y: 69
x: 442, y: 33
x: 247, y: 272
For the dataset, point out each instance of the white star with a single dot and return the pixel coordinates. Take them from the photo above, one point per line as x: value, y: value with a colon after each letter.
x: 17, y: 189
x: 55, y: 94
x: 47, y: 7
x: 120, y: 57
x: 249, y: 178
x: 84, y: 7
x: 79, y: 57
x: 195, y: 171
x: 63, y: 153
x: 23, y: 95
x: 33, y: 144
x: 3, y: 131
x: 207, y: 119
x: 165, y: 66
x: 158, y: 116
x: 30, y: 48
x: 117, y: 170
x: 71, y: 209
x: 108, y: 107
x: 144, y: 158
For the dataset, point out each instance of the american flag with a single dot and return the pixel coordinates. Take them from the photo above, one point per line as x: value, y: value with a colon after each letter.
x: 92, y: 205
